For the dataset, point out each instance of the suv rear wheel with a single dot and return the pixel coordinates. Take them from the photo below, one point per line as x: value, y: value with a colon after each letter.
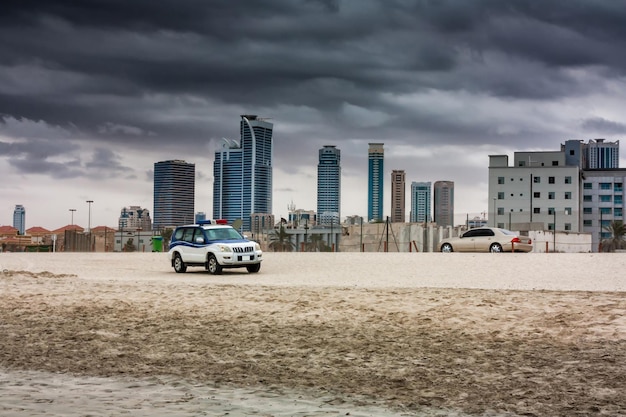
x: 179, y: 265
x: 212, y: 265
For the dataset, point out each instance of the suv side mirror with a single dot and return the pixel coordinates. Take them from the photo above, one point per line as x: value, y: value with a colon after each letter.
x: 199, y: 239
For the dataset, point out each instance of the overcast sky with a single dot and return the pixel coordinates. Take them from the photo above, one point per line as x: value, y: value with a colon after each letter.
x: 93, y: 92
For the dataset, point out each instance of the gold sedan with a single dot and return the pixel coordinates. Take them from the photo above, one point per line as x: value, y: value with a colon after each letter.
x: 487, y: 239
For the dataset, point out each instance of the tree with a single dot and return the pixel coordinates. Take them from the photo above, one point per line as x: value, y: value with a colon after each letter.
x: 317, y: 244
x: 167, y: 235
x: 618, y: 230
x: 280, y: 240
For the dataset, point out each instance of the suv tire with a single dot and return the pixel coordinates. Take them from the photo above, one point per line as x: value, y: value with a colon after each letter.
x: 254, y: 268
x: 212, y: 265
x: 179, y: 265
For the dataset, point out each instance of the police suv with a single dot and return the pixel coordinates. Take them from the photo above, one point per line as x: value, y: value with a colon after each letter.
x: 214, y: 245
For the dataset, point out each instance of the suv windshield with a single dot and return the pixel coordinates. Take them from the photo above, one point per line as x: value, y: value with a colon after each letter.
x: 225, y: 233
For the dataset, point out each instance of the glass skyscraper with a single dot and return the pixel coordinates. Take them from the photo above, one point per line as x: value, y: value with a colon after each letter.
x: 420, y: 202
x: 174, y: 193
x: 329, y: 185
x: 19, y: 218
x: 242, y: 173
x: 376, y: 157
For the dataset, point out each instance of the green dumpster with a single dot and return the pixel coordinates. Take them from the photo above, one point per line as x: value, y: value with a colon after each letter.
x: 157, y: 243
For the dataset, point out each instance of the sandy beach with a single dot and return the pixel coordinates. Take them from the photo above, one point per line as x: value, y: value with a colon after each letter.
x: 314, y: 334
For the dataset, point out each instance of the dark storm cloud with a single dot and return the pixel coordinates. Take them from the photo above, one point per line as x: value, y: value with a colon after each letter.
x: 131, y: 70
x: 599, y: 125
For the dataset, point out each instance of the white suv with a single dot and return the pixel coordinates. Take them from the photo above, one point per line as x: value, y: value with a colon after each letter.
x: 213, y: 245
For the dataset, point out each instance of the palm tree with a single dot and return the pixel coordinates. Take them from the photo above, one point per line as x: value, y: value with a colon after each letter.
x: 280, y: 241
x: 316, y: 243
x: 617, y: 229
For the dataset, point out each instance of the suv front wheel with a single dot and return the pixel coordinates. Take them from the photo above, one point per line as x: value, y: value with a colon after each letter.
x: 179, y: 265
x: 212, y: 265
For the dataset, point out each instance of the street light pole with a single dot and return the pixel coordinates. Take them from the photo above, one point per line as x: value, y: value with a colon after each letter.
x: 89, y: 223
x: 306, y: 230
x: 72, y: 211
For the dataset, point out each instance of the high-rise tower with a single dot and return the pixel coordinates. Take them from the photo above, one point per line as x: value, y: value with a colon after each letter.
x: 19, y: 218
x: 329, y: 185
x: 398, y: 196
x: 376, y: 159
x: 444, y: 203
x: 174, y: 193
x: 242, y: 173
x: 420, y: 202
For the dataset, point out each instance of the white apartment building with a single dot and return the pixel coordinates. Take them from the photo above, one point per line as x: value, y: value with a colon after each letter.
x: 537, y: 192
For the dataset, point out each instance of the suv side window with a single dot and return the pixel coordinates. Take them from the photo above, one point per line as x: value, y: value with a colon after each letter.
x: 188, y: 235
x: 178, y: 235
x: 198, y: 235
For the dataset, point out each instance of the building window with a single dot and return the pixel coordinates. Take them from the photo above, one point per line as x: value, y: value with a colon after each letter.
x: 500, y: 196
x: 617, y: 212
x: 568, y: 211
x: 551, y: 195
x: 587, y: 198
x: 568, y: 195
x: 501, y: 225
x: 500, y: 211
x: 550, y: 180
x: 588, y: 185
x: 568, y: 226
x: 555, y: 163
x: 587, y: 210
x: 536, y: 180
x: 587, y: 223
x: 617, y: 187
x: 551, y: 210
x: 568, y: 180
x: 521, y: 163
x: 550, y: 226
x: 605, y: 185
x: 606, y: 198
x: 605, y: 210
x: 500, y: 180
x: 536, y: 210
x: 537, y: 194
x: 617, y: 199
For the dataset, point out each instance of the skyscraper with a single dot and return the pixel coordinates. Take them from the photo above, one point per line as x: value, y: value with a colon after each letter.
x: 19, y: 218
x: 376, y: 159
x: 174, y: 193
x: 242, y: 173
x: 596, y: 154
x: 420, y: 202
x: 329, y: 185
x: 398, y: 196
x: 444, y: 203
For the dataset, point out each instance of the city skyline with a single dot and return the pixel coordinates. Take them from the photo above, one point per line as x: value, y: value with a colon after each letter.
x: 442, y: 84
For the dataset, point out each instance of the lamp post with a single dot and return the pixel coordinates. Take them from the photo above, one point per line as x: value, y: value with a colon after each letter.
x: 138, y: 239
x: 600, y: 237
x: 306, y: 230
x: 89, y: 222
x: 72, y: 211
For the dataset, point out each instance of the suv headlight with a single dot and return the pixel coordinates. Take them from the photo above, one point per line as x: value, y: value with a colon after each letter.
x: 257, y: 246
x: 224, y: 248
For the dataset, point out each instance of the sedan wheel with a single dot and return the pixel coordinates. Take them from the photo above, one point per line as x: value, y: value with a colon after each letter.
x: 446, y: 247
x: 495, y: 248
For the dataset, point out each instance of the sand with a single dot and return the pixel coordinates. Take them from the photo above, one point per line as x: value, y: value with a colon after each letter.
x: 334, y: 334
